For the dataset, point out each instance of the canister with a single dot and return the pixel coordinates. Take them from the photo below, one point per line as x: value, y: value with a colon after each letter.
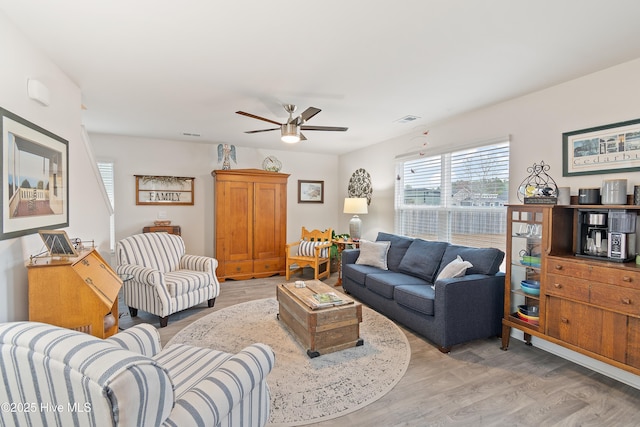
x: 614, y: 192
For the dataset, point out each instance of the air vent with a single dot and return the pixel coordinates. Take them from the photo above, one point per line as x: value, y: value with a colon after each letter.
x: 407, y: 119
x: 190, y: 134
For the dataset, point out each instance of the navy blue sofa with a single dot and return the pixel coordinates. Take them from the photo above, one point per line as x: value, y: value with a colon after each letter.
x: 453, y: 311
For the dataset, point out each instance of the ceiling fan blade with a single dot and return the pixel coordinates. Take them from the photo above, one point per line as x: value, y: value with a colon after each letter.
x: 308, y: 113
x: 302, y: 137
x: 331, y: 128
x: 261, y: 130
x: 253, y: 116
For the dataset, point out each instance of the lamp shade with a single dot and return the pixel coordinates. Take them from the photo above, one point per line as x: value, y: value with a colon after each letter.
x: 355, y: 205
x: 290, y: 133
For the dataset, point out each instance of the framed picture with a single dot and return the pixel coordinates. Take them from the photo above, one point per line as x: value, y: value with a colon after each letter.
x: 57, y: 243
x: 35, y: 178
x: 164, y: 190
x: 603, y: 149
x: 310, y: 191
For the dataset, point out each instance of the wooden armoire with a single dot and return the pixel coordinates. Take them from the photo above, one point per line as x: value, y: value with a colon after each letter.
x: 250, y: 223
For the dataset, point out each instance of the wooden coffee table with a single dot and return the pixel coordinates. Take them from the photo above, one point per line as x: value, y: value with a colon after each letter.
x: 320, y: 330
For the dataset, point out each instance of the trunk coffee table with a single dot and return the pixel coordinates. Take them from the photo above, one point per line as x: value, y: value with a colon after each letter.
x: 322, y: 329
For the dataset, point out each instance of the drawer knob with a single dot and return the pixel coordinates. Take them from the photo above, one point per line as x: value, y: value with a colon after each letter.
x: 558, y: 267
x: 564, y: 320
x: 238, y: 269
x: 626, y: 301
x: 626, y: 279
x: 557, y: 285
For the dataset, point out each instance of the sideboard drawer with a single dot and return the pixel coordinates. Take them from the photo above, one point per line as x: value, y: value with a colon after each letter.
x: 618, y: 298
x: 567, y: 287
x: 594, y: 272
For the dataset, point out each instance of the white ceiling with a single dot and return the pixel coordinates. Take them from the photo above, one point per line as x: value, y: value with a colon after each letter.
x: 158, y: 68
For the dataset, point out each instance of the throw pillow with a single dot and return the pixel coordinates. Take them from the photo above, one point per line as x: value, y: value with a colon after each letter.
x: 307, y: 248
x: 456, y: 268
x: 373, y: 254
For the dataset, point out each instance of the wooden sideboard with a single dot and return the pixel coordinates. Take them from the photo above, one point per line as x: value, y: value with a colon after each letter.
x: 79, y: 293
x: 590, y: 306
x: 250, y: 223
x: 171, y: 229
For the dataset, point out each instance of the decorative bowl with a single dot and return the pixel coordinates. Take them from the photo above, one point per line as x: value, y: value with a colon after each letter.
x: 529, y: 310
x: 531, y: 283
x: 533, y: 261
x: 161, y: 223
x: 529, y: 319
x: 530, y: 290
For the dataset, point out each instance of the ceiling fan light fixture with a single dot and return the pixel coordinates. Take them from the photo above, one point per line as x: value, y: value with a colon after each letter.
x: 290, y: 133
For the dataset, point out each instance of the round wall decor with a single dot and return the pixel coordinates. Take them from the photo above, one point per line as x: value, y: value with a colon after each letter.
x: 360, y: 185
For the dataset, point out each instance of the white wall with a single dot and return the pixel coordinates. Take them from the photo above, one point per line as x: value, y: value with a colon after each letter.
x: 88, y: 217
x: 536, y: 123
x: 140, y: 156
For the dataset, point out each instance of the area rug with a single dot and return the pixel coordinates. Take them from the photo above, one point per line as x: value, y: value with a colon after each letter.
x: 304, y: 390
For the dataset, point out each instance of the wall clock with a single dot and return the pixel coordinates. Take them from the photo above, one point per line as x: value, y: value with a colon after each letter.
x: 360, y: 185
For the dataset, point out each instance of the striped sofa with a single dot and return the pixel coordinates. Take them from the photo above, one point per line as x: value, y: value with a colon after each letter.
x: 51, y: 376
x: 164, y: 280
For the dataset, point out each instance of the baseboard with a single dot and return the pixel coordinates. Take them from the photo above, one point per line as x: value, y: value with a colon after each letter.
x: 595, y: 365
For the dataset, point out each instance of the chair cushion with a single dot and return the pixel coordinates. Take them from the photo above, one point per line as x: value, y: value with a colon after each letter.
x: 456, y: 268
x: 423, y: 258
x: 399, y: 246
x: 307, y: 248
x: 484, y: 260
x: 188, y: 365
x: 416, y: 297
x: 181, y: 282
x: 373, y: 254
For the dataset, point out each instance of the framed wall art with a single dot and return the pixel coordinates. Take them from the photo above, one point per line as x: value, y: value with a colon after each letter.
x: 35, y: 178
x: 602, y: 149
x: 164, y: 190
x: 310, y: 191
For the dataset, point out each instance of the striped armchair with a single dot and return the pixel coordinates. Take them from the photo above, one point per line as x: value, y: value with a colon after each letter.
x: 51, y: 376
x: 164, y: 279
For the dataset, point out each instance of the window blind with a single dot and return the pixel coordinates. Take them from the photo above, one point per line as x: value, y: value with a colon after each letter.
x: 106, y: 172
x: 456, y: 196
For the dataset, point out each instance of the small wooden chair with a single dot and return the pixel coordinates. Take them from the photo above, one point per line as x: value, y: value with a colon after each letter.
x: 312, y: 250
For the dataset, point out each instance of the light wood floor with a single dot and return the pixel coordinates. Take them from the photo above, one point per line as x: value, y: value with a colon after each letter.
x: 476, y: 384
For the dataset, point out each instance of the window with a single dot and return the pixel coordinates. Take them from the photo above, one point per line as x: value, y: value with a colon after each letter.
x: 106, y: 172
x: 457, y: 197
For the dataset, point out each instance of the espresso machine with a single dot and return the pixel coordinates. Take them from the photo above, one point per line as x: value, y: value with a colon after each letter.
x: 606, y: 234
x: 593, y: 233
x: 621, y: 236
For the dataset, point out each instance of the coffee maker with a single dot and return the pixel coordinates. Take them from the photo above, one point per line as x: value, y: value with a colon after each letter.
x: 592, y: 233
x: 621, y: 237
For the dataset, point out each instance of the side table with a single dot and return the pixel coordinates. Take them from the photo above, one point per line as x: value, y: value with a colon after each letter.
x: 342, y: 244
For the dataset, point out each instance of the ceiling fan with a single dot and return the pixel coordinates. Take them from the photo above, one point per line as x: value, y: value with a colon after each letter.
x: 290, y: 130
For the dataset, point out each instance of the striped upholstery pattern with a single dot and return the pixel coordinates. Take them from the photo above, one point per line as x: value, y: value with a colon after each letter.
x: 73, y: 379
x: 165, y: 279
x: 96, y: 382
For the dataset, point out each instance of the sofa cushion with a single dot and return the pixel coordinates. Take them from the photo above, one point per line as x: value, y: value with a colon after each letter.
x: 423, y: 258
x: 484, y: 260
x: 399, y: 246
x: 357, y: 273
x: 456, y: 268
x: 416, y: 297
x: 384, y: 284
x: 373, y: 254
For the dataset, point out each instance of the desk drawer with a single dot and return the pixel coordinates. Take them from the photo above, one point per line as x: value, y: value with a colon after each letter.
x: 567, y: 287
x: 618, y: 298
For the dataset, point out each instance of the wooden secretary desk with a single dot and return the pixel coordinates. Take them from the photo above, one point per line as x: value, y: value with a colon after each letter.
x: 79, y: 293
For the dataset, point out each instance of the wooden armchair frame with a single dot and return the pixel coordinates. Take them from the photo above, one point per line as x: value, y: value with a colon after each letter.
x: 316, y: 261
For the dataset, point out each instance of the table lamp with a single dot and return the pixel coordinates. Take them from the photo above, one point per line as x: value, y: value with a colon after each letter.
x: 355, y: 205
